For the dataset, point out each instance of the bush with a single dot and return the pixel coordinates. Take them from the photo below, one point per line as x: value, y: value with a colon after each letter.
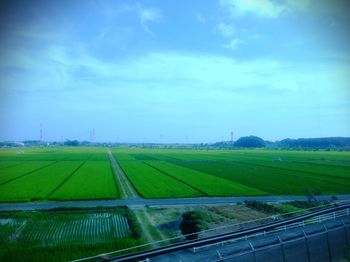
x: 133, y: 224
x: 262, y: 206
x: 191, y: 224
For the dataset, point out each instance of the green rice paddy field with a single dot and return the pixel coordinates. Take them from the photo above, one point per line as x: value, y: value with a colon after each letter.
x: 63, y: 173
x: 56, y: 174
x: 65, y: 235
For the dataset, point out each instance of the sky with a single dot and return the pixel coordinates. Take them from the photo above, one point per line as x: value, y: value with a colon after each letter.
x: 174, y: 71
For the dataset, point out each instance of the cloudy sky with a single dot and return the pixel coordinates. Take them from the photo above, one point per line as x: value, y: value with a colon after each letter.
x: 175, y: 71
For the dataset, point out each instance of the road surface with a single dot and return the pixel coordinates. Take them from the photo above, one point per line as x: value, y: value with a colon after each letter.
x: 138, y: 202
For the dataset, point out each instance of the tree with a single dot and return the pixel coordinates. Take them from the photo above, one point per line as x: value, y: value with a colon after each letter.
x: 250, y: 141
x: 191, y: 224
x: 71, y: 142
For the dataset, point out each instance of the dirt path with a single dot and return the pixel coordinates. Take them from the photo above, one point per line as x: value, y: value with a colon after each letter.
x: 145, y: 224
x: 152, y: 222
x: 126, y: 189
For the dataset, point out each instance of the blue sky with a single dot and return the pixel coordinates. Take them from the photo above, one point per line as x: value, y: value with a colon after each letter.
x: 179, y: 71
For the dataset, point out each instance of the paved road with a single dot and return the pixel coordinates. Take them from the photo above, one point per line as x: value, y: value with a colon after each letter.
x: 134, y: 202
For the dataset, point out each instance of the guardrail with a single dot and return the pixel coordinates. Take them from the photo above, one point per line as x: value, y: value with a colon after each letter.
x: 319, y: 215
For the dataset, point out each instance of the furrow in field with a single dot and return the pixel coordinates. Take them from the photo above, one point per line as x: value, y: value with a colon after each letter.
x: 268, y: 180
x: 151, y: 183
x: 39, y: 184
x: 322, y: 177
x: 20, y: 171
x: 9, y: 165
x: 65, y: 180
x: 92, y: 180
x: 336, y: 165
x: 176, y: 178
x: 341, y: 172
x: 211, y: 185
x: 282, y: 167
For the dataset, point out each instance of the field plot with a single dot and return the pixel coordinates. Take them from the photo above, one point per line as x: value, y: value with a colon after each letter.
x: 208, y: 184
x: 21, y: 169
x: 151, y: 183
x: 40, y: 184
x: 83, y: 173
x: 246, y: 172
x: 7, y: 164
x: 64, y: 235
x: 94, y: 180
x: 30, y: 174
x: 90, y: 229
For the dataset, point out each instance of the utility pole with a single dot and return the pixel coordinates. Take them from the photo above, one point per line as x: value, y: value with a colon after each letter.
x: 41, y: 133
x: 93, y: 135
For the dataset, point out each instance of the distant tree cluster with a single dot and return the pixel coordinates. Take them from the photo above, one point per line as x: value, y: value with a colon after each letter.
x: 250, y: 141
x: 324, y: 142
x: 71, y: 142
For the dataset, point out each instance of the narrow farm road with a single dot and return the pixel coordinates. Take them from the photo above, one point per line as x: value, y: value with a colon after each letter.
x: 126, y: 189
x: 158, y: 202
x: 173, y: 202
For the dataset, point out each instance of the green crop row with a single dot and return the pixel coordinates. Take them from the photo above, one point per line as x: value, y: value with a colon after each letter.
x: 14, y: 172
x: 63, y: 236
x: 273, y: 181
x: 37, y: 185
x: 94, y: 180
x: 151, y: 183
x: 252, y: 171
x: 203, y: 182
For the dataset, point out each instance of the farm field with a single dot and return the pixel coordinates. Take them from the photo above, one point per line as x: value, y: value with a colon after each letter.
x: 92, y: 180
x: 65, y: 235
x: 239, y: 172
x: 41, y: 174
x: 85, y: 173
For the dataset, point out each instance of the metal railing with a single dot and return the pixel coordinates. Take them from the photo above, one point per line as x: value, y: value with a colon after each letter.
x: 285, y: 224
x: 315, y: 220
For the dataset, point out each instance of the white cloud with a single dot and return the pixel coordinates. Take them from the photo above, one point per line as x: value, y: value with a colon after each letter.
x: 234, y: 43
x: 146, y: 15
x: 149, y: 14
x: 200, y: 18
x: 58, y: 69
x: 260, y: 8
x: 159, y: 86
x: 226, y: 30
